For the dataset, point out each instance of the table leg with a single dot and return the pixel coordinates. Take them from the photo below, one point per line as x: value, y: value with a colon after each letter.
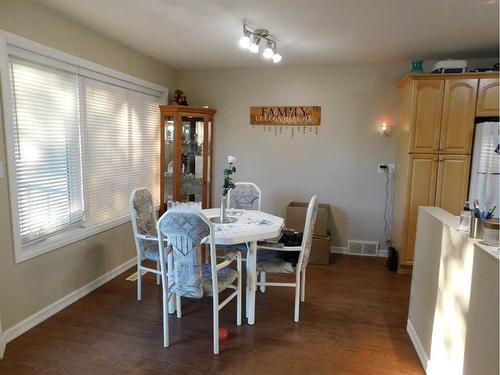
x: 251, y: 282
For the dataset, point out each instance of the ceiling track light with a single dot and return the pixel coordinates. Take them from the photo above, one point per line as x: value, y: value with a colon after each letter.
x: 251, y: 40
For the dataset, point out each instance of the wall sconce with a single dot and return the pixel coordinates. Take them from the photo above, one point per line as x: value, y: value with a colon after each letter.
x: 385, y: 129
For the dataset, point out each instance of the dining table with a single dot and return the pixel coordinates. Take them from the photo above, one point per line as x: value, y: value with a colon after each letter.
x: 248, y: 227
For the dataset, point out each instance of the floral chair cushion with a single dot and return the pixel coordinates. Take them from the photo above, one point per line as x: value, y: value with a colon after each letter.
x: 145, y: 219
x: 225, y: 277
x: 184, y: 232
x: 244, y: 197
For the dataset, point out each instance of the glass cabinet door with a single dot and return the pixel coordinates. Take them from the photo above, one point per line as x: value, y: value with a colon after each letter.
x: 168, y: 162
x: 208, y: 170
x: 192, y: 145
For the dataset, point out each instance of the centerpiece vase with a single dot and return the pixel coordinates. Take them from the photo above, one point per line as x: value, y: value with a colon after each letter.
x: 222, y: 214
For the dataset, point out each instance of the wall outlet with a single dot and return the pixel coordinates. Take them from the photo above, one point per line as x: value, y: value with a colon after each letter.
x: 385, y: 168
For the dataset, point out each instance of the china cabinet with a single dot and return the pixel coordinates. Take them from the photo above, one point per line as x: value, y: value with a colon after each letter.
x: 186, y: 153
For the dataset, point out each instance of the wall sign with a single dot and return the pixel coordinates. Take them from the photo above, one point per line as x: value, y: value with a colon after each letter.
x: 291, y: 116
x: 297, y: 118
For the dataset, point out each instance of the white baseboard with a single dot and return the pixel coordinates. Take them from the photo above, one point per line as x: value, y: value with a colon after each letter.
x: 38, y: 317
x: 2, y: 343
x: 383, y: 253
x: 422, y: 355
x: 343, y: 250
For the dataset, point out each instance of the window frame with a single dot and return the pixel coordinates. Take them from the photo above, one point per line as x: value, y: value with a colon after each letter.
x: 36, y: 52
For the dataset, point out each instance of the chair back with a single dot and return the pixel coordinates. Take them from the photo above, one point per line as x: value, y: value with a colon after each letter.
x: 312, y: 209
x: 143, y: 217
x: 245, y: 196
x: 185, y: 229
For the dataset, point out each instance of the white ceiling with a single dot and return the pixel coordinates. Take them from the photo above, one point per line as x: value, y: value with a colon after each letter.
x: 187, y: 34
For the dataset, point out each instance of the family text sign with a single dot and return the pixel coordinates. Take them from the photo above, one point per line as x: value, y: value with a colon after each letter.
x: 288, y: 116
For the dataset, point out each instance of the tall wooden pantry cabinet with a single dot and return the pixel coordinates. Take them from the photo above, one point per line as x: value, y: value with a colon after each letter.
x: 434, y: 145
x: 186, y: 154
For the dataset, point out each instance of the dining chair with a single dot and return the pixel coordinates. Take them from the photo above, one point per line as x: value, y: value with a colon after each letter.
x: 185, y: 230
x: 143, y: 219
x: 269, y: 260
x: 245, y: 196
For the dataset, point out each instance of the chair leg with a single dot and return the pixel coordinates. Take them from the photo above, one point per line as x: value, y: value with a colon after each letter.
x: 178, y: 306
x: 165, y: 299
x: 139, y: 276
x: 158, y: 276
x: 297, y: 296
x: 238, y: 296
x: 216, y: 325
x: 263, y: 282
x: 303, y: 286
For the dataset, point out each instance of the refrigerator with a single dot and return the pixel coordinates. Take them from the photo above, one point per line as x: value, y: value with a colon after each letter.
x: 484, y: 182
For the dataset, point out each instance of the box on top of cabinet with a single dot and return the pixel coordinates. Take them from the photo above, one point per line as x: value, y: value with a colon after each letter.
x: 296, y: 218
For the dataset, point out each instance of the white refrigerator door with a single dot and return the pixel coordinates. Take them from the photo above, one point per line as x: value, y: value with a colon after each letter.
x: 485, y: 173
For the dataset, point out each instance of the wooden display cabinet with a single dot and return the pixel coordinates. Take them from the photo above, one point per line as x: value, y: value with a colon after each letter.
x: 186, y: 153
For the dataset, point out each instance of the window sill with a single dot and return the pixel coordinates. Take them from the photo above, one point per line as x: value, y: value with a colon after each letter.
x: 64, y: 238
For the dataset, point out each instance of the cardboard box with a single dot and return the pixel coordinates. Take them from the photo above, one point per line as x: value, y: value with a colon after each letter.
x: 320, y: 250
x: 296, y: 218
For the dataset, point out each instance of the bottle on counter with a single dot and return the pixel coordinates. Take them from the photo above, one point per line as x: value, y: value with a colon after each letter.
x: 465, y: 217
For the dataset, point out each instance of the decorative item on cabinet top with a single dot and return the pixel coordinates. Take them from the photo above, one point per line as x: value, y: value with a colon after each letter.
x: 179, y: 98
x: 296, y: 118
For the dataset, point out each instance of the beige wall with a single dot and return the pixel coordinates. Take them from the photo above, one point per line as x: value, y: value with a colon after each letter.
x: 339, y: 164
x: 30, y: 286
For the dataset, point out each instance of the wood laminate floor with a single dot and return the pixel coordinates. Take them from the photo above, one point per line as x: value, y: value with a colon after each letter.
x: 352, y: 322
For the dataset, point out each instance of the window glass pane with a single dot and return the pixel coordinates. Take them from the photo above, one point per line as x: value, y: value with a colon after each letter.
x: 145, y: 143
x: 192, y: 159
x: 47, y: 148
x: 168, y: 173
x: 122, y: 143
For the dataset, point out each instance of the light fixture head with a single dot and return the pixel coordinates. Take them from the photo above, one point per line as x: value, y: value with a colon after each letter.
x: 244, y: 41
x: 254, y: 46
x: 268, y: 52
x: 276, y: 58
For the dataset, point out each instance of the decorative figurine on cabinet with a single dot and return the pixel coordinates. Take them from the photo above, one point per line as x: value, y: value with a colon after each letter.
x: 180, y: 98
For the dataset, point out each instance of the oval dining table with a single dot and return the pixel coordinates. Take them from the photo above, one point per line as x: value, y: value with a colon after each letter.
x: 249, y: 227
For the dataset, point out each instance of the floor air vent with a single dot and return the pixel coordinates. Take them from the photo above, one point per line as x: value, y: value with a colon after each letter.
x: 368, y: 248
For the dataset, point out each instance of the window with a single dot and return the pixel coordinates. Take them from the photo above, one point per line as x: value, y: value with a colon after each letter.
x: 47, y: 148
x: 80, y: 138
x: 123, y: 144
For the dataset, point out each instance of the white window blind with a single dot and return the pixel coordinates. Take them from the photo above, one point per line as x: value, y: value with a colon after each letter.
x: 145, y: 145
x: 485, y: 174
x: 79, y: 138
x: 122, y: 140
x: 45, y: 107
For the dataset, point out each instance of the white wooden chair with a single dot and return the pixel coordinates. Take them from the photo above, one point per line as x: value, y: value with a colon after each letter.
x: 143, y: 217
x: 245, y: 196
x: 185, y: 230
x: 270, y: 262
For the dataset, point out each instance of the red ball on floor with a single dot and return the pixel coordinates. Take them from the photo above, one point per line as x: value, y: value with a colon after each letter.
x: 223, y: 334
